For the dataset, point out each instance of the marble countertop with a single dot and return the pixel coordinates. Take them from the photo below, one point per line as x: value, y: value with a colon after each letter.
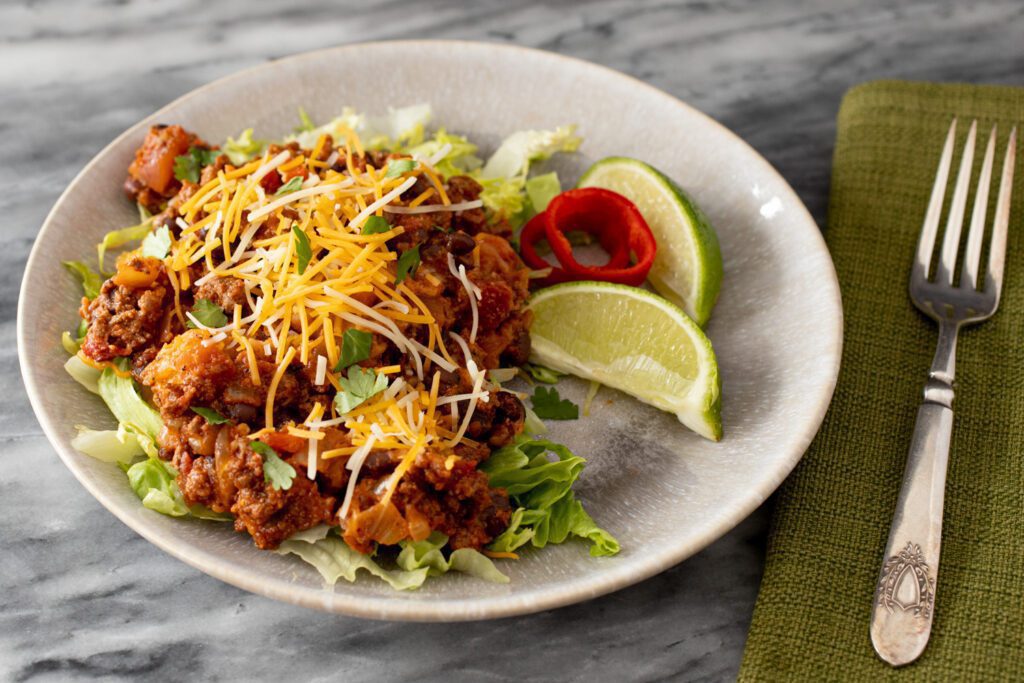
x: 81, y: 596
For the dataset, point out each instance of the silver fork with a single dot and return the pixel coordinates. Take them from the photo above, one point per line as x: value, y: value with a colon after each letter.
x: 901, y: 617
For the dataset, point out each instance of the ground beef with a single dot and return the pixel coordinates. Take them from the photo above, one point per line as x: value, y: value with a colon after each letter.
x: 450, y: 496
x: 126, y: 320
x: 186, y: 373
x: 217, y: 468
x: 226, y: 292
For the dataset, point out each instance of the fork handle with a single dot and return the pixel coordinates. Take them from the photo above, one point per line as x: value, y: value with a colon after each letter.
x: 901, y: 617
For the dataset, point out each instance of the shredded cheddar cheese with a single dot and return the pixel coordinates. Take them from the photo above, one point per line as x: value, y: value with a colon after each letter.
x: 303, y: 297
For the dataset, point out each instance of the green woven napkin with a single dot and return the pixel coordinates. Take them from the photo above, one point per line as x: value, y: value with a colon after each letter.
x: 832, y: 515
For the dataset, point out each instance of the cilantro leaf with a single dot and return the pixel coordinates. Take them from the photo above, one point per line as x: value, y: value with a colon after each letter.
x: 399, y: 166
x: 292, y: 185
x: 305, y: 123
x: 361, y: 384
x: 355, y: 347
x: 276, y: 471
x: 210, y: 415
x: 189, y: 165
x: 157, y: 243
x: 375, y: 225
x: 408, y: 262
x: 543, y: 374
x: 302, y: 249
x: 549, y: 405
x: 91, y: 281
x: 207, y: 313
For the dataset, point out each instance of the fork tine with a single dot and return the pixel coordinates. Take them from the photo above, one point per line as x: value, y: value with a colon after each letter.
x: 976, y: 233
x: 997, y: 251
x: 955, y: 222
x: 930, y: 228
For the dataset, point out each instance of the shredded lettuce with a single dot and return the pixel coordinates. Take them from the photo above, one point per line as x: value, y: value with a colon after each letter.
x: 134, y: 414
x: 119, y: 238
x: 427, y: 553
x: 153, y: 481
x: 335, y: 560
x: 335, y: 128
x: 548, y: 511
x: 395, y: 130
x: 459, y: 160
x: 417, y: 561
x: 91, y: 280
x: 542, y: 189
x: 70, y: 344
x: 243, y: 148
x: 107, y: 445
x: 533, y: 424
x: 399, y: 128
x: 87, y: 376
x: 505, y: 197
x: 504, y: 176
x: 516, y: 152
x: 543, y: 374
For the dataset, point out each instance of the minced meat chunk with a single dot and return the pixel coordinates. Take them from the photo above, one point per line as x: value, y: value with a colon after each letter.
x: 218, y: 468
x: 123, y: 320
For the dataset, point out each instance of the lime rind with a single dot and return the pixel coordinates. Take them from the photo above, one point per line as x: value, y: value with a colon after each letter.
x: 688, y: 269
x: 698, y: 406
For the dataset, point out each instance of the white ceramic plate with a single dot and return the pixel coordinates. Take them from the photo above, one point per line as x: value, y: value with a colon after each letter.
x: 663, y: 491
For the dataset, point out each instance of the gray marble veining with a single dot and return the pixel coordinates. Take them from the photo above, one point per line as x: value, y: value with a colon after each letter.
x: 83, y: 597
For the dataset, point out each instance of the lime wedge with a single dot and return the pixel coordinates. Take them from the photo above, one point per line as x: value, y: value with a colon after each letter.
x: 632, y: 340
x: 688, y: 266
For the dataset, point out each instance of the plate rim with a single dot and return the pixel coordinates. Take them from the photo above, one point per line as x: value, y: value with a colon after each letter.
x: 375, y: 606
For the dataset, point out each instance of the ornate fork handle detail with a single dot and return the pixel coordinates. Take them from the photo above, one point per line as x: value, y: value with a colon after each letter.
x: 901, y: 617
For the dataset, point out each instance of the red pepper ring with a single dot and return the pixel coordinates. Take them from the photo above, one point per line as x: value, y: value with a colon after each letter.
x: 617, y: 223
x: 610, y: 240
x: 531, y: 234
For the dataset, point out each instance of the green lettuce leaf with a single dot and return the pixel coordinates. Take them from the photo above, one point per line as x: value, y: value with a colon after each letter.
x: 533, y: 425
x: 87, y: 376
x: 107, y: 445
x: 398, y: 129
x: 70, y: 344
x: 542, y: 189
x: 91, y: 280
x: 119, y: 238
x: 504, y: 176
x: 541, y: 488
x: 154, y: 482
x: 505, y: 197
x: 516, y: 152
x: 427, y: 553
x: 335, y: 560
x: 395, y: 130
x: 134, y: 414
x: 460, y: 159
x: 243, y: 148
